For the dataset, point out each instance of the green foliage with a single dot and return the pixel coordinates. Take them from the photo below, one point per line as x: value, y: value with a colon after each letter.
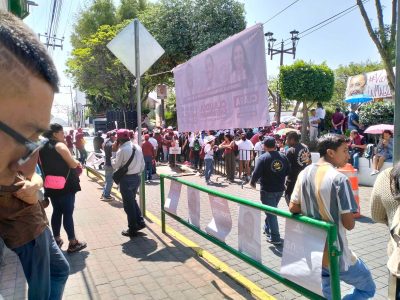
x: 306, y: 82
x: 182, y: 27
x: 377, y: 113
x: 342, y: 73
x: 101, y: 12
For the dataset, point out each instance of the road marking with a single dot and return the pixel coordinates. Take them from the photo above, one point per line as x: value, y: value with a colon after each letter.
x: 253, y: 288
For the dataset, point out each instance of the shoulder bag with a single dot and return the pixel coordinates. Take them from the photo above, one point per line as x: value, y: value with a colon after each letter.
x: 121, y: 172
x: 54, y: 182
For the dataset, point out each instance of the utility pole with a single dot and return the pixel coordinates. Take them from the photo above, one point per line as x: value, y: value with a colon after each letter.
x: 272, y: 51
x: 73, y: 117
x: 396, y: 141
x: 53, y: 41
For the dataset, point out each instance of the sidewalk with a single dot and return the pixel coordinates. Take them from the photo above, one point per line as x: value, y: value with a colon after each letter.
x: 368, y: 240
x: 150, y: 266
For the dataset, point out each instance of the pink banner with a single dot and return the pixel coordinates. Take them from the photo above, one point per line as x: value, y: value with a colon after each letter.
x: 225, y: 86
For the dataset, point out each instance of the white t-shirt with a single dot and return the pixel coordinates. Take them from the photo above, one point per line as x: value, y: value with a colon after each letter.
x: 320, y: 113
x: 311, y: 119
x: 209, y: 152
x: 244, y: 149
x: 153, y: 141
x: 259, y: 148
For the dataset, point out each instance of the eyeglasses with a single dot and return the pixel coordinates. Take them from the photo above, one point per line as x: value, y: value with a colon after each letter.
x: 31, y: 147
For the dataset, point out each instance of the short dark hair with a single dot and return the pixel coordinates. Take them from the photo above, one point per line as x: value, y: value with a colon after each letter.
x: 330, y: 141
x: 53, y: 128
x: 269, y: 142
x: 355, y: 131
x: 22, y: 43
x: 338, y: 109
x: 387, y: 131
x: 292, y: 135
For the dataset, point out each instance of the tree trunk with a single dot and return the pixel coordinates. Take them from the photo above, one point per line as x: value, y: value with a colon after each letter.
x: 296, y: 108
x: 123, y: 113
x: 305, y: 138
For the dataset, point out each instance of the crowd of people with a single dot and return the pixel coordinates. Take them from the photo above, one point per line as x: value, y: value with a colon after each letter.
x: 29, y: 82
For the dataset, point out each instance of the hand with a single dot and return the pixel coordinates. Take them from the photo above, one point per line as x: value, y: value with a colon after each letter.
x: 28, y: 192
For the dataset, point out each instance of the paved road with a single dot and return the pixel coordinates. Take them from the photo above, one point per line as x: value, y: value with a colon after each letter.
x: 368, y: 240
x: 151, y: 266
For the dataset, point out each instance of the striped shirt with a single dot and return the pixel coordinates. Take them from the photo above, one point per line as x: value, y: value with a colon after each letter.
x: 324, y: 193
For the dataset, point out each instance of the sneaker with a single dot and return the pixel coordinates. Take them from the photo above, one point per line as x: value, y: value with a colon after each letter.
x: 109, y: 198
x: 374, y: 172
x: 278, y: 242
x: 129, y: 233
x: 78, y: 246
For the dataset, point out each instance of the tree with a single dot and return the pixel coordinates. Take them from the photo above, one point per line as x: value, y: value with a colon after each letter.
x: 178, y: 26
x: 130, y: 9
x: 101, y: 12
x: 342, y: 73
x: 308, y: 83
x: 384, y: 37
x: 377, y: 113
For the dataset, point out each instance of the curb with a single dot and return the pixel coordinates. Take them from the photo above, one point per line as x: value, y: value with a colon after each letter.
x: 253, y: 289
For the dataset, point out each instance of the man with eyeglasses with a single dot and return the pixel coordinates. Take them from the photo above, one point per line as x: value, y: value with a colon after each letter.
x: 28, y: 83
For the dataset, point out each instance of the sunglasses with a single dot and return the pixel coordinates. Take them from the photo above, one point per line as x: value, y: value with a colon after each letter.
x: 32, y: 147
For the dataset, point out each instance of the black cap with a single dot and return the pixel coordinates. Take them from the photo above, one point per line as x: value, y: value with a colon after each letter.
x: 269, y: 142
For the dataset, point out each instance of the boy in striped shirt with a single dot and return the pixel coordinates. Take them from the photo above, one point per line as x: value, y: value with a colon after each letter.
x: 323, y: 193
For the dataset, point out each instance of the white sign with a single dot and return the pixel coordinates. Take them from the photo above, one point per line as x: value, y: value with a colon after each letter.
x: 221, y: 224
x: 249, y: 237
x: 175, y: 150
x: 123, y: 47
x: 302, y: 255
x: 374, y: 84
x: 172, y: 201
x: 224, y: 86
x: 193, y: 197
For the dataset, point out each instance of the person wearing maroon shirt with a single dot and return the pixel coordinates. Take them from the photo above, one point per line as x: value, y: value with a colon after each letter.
x: 337, y: 121
x: 148, y: 153
x: 80, y: 146
x: 69, y: 139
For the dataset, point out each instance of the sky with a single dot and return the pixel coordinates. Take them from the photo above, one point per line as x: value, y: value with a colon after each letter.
x: 341, y: 42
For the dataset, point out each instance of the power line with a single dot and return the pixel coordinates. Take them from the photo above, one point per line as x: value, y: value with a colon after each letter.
x: 335, y: 17
x: 278, y: 13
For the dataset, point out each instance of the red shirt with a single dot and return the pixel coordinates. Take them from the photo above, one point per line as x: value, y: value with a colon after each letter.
x: 79, y: 143
x: 68, y: 140
x: 148, y: 149
x: 337, y: 117
x: 255, y: 139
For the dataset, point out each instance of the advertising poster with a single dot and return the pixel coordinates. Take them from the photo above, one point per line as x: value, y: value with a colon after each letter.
x: 172, y: 201
x: 224, y: 86
x: 302, y: 255
x: 221, y: 224
x: 193, y: 198
x: 249, y: 238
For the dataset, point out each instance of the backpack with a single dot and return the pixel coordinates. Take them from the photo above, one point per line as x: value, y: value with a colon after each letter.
x: 393, y: 263
x: 369, y: 151
x: 196, y: 145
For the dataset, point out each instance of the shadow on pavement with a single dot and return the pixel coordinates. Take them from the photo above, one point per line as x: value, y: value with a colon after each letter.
x: 77, y: 261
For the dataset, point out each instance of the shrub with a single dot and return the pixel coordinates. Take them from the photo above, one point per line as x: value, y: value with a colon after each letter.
x: 377, y: 113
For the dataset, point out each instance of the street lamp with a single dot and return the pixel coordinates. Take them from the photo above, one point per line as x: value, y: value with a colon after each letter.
x: 272, y: 51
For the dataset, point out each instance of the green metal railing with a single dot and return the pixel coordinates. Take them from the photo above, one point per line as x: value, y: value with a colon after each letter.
x: 328, y: 227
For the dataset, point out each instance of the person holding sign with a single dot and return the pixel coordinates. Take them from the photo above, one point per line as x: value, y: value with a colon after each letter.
x: 209, y: 158
x: 323, y: 193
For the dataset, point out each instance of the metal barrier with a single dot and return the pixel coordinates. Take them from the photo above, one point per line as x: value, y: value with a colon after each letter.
x: 328, y: 227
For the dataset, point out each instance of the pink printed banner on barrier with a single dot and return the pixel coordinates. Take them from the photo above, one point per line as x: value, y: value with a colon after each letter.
x: 224, y: 86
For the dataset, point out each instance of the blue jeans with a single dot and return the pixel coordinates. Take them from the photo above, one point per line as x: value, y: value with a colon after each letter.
x: 148, y: 160
x: 45, y: 267
x: 82, y: 155
x: 63, y: 210
x: 209, y: 168
x: 355, y: 156
x: 271, y: 221
x: 358, y: 276
x: 108, y: 181
x: 128, y: 187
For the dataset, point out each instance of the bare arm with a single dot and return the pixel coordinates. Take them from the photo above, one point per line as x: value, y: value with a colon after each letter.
x: 294, y: 208
x: 348, y: 220
x: 66, y: 155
